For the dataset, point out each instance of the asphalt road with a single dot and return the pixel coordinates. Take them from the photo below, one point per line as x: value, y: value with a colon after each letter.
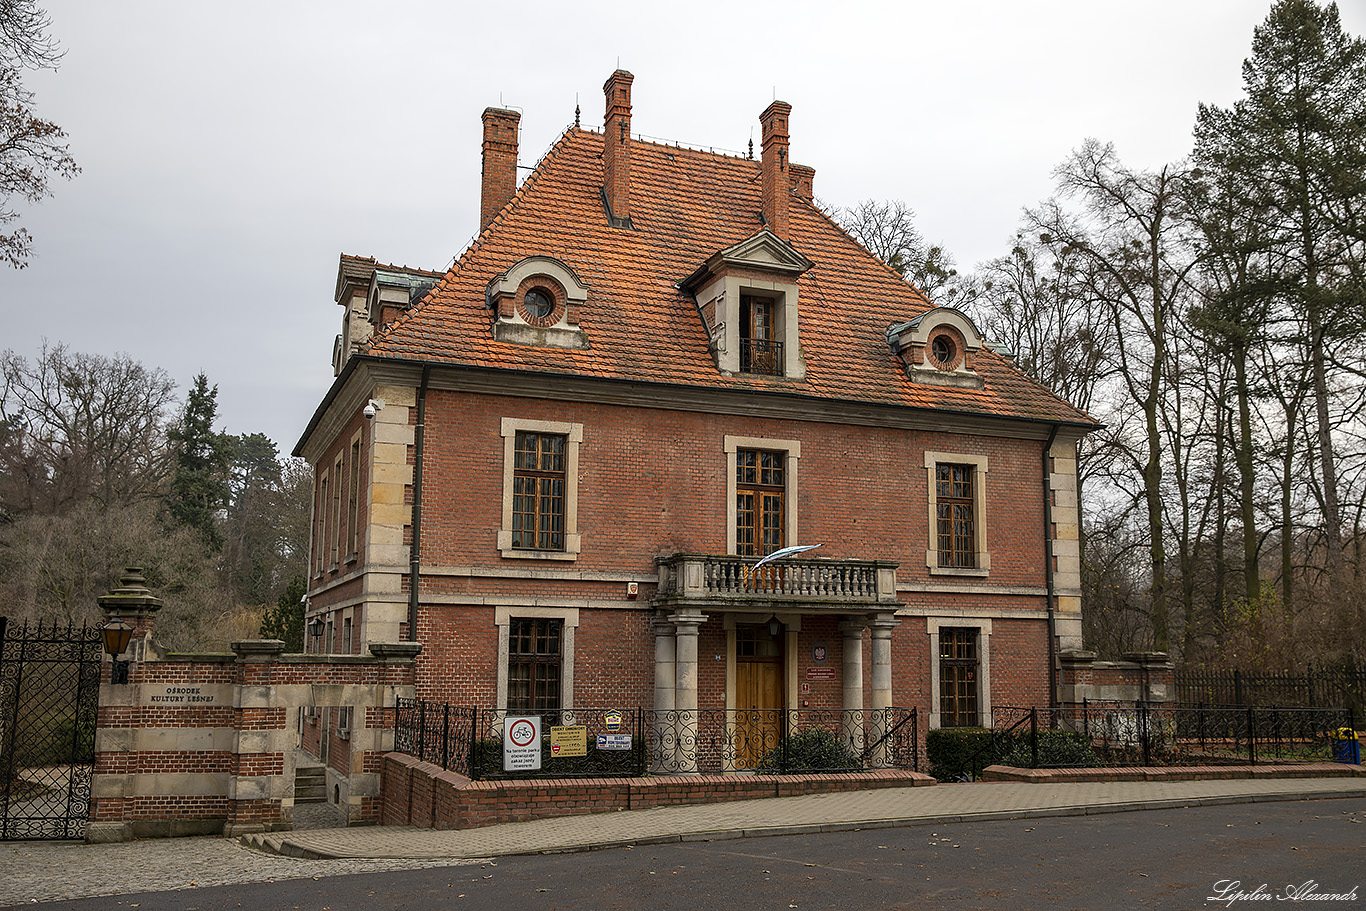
x: 1167, y: 859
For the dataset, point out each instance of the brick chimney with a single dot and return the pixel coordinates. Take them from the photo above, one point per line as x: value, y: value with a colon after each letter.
x: 500, y: 162
x: 616, y: 148
x: 777, y: 177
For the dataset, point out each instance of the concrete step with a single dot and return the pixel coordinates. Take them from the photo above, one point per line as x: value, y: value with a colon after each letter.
x: 310, y: 784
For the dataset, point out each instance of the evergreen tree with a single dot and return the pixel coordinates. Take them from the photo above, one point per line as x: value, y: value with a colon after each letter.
x: 285, y: 621
x: 199, y: 486
x: 1295, y: 147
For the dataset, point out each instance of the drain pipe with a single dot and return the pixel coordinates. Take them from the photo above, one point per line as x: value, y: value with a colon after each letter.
x: 415, y: 565
x: 1052, y: 598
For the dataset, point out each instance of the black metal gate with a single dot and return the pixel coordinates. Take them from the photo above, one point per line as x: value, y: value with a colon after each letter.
x: 49, y: 696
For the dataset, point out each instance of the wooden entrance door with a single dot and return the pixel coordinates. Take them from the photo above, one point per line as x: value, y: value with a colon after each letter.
x: 758, y: 693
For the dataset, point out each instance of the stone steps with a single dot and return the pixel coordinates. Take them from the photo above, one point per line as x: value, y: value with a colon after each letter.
x: 310, y: 784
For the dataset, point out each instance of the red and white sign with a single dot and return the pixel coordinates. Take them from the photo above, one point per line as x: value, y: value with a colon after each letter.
x: 820, y: 673
x: 521, y: 743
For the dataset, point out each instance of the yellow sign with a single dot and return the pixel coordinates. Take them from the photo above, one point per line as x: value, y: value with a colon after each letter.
x: 569, y: 740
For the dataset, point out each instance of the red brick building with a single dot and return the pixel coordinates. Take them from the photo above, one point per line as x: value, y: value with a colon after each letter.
x: 653, y: 366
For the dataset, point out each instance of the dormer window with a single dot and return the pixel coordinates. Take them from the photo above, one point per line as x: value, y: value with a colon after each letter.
x: 747, y: 297
x: 760, y: 351
x: 536, y: 302
x: 939, y: 347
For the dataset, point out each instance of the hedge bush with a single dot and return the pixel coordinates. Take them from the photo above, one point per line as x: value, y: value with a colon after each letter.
x: 948, y: 750
x: 811, y: 750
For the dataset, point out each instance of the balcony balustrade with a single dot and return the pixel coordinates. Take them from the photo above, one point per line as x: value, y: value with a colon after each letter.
x: 703, y: 579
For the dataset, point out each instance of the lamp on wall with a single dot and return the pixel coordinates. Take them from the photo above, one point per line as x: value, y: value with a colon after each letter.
x: 315, y: 629
x: 116, y: 634
x: 774, y: 626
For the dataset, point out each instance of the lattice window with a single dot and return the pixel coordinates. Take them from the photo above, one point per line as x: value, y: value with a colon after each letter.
x: 534, y: 658
x: 759, y: 499
x: 956, y: 526
x: 538, y: 491
x: 958, y: 667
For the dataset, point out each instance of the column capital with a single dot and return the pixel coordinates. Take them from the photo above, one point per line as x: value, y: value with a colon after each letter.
x: 686, y: 622
x: 853, y: 627
x: 883, y: 623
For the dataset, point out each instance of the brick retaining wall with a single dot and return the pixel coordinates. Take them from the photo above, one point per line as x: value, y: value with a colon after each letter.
x: 418, y: 793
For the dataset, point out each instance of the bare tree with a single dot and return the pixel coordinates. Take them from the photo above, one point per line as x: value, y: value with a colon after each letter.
x: 1131, y: 229
x: 81, y: 426
x: 888, y: 231
x: 31, y: 149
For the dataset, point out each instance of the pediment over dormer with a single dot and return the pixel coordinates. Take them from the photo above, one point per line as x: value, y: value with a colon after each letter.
x: 763, y: 252
x: 747, y: 297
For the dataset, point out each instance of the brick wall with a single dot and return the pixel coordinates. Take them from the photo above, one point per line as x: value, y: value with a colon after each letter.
x: 420, y: 794
x: 198, y: 744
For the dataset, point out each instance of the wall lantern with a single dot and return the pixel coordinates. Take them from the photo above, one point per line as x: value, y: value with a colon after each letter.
x: 315, y: 628
x: 774, y: 626
x: 116, y: 635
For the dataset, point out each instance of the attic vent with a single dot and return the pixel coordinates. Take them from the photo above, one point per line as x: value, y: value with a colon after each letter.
x: 536, y: 302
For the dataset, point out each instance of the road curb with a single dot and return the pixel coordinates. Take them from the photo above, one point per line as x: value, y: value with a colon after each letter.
x: 304, y: 848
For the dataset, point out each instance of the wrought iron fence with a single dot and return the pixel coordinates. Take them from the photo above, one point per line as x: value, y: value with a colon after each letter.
x: 1163, y: 734
x: 635, y: 742
x: 1341, y: 687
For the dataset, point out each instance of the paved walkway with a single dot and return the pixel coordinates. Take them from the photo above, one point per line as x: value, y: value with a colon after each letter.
x: 33, y: 871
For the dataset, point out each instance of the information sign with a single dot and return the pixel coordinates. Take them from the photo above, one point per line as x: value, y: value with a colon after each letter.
x: 569, y: 740
x: 614, y: 741
x: 521, y: 743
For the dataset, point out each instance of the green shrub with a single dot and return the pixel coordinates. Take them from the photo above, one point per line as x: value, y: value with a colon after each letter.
x: 950, y: 749
x: 1057, y: 750
x: 811, y: 750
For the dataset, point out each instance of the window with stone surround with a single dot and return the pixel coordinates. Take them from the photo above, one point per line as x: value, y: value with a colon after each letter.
x: 540, y: 490
x: 530, y: 640
x: 958, y: 677
x: 761, y: 494
x: 960, y: 671
x: 533, y: 665
x: 957, y: 514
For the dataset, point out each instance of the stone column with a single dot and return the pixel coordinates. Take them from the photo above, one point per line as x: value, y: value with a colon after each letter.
x: 852, y: 722
x: 882, y: 626
x: 685, y: 624
x: 662, y: 726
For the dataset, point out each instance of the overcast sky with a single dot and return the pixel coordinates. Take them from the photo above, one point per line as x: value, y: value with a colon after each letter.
x: 231, y: 151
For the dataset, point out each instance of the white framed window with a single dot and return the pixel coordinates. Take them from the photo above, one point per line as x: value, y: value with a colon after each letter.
x: 540, y: 490
x: 567, y: 619
x: 754, y: 512
x: 957, y: 514
x: 953, y: 656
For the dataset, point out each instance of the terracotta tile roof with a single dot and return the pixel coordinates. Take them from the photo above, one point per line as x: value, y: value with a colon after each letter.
x: 686, y: 205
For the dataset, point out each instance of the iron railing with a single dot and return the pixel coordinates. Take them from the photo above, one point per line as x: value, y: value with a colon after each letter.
x: 761, y: 357
x: 1160, y: 734
x: 636, y: 742
x: 1339, y: 687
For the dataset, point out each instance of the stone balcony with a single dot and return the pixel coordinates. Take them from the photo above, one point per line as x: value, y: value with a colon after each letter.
x: 723, y: 582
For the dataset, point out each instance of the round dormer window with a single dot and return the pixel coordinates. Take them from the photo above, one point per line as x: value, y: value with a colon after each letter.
x: 944, y: 351
x: 538, y: 303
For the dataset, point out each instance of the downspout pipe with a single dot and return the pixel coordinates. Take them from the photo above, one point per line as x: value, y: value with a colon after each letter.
x: 415, y: 562
x: 1052, y: 598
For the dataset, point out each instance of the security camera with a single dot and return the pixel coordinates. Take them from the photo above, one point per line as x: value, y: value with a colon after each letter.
x: 369, y: 410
